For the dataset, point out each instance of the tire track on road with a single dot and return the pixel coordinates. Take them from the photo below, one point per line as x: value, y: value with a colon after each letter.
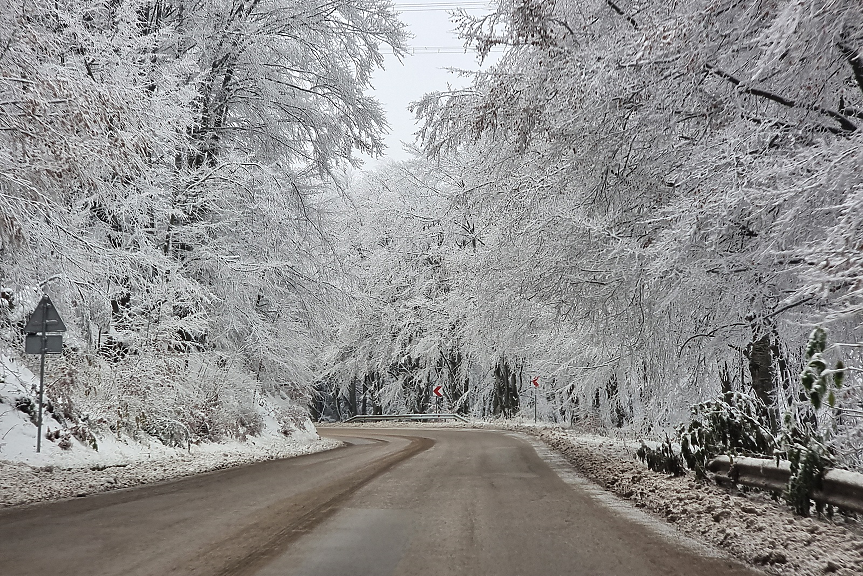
x: 269, y: 532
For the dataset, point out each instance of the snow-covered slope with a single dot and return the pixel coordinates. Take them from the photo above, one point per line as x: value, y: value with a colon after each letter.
x: 120, y: 460
x: 17, y: 429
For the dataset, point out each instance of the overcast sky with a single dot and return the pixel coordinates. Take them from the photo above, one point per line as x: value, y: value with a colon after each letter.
x: 436, y: 48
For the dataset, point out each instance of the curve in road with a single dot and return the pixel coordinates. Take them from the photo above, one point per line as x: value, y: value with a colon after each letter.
x: 391, y: 502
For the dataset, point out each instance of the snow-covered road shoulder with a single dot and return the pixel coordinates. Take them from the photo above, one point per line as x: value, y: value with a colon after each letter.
x: 127, y: 465
x: 749, y: 525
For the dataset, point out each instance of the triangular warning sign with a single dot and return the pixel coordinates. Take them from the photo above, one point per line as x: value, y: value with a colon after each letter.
x: 44, y: 319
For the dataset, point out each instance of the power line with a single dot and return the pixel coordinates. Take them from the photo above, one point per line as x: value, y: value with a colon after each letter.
x: 442, y: 50
x: 418, y: 51
x: 468, y: 4
x: 432, y: 9
x: 441, y: 6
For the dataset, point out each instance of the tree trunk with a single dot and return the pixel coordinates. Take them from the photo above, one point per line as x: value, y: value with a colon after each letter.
x: 352, y: 398
x: 759, y: 352
x: 505, y: 399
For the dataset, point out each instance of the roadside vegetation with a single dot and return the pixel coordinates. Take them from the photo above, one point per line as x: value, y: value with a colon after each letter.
x: 164, y: 172
x: 651, y: 208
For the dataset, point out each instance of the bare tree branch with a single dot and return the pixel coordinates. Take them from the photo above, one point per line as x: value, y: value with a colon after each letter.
x: 847, y: 125
x: 855, y: 61
x: 620, y: 11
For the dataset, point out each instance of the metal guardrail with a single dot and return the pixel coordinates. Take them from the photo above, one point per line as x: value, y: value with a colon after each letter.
x: 402, y: 417
x: 841, y: 488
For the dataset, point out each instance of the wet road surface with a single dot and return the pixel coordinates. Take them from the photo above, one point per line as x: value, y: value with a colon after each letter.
x: 415, y: 502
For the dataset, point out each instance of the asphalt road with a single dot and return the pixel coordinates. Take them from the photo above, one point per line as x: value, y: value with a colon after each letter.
x: 431, y: 502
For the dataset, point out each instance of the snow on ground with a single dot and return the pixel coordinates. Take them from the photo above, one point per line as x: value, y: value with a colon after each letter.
x: 17, y: 432
x: 125, y: 466
x: 56, y: 473
x: 749, y: 525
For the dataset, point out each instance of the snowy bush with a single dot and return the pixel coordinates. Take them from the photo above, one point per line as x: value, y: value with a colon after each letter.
x: 176, y: 399
x: 804, y: 443
x: 27, y: 406
x: 249, y: 423
x: 663, y: 459
x: 290, y: 419
x: 731, y: 425
x: 84, y: 434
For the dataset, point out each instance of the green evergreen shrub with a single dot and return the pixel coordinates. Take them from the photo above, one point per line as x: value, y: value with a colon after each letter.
x: 731, y: 425
x: 804, y: 444
x: 663, y: 459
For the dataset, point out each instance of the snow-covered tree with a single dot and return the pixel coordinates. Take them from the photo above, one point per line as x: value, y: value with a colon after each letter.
x: 161, y: 170
x: 676, y: 183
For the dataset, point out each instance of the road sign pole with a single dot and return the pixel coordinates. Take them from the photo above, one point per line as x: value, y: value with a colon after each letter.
x: 37, y: 340
x: 41, y: 384
x: 41, y: 394
x: 535, y: 382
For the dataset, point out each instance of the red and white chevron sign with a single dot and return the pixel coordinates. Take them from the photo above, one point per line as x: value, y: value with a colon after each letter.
x: 438, y: 391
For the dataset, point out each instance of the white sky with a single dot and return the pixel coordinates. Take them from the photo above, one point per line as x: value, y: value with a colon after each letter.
x: 401, y: 83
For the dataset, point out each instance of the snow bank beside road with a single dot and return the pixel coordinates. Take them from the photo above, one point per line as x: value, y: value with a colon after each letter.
x: 748, y: 525
x: 22, y: 483
x: 121, y: 461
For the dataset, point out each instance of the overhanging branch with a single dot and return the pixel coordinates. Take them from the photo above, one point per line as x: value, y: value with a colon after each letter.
x: 856, y: 62
x: 620, y: 11
x: 844, y: 122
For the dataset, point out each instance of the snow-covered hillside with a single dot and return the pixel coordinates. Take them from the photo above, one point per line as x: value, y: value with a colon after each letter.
x: 82, y: 457
x: 17, y: 422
